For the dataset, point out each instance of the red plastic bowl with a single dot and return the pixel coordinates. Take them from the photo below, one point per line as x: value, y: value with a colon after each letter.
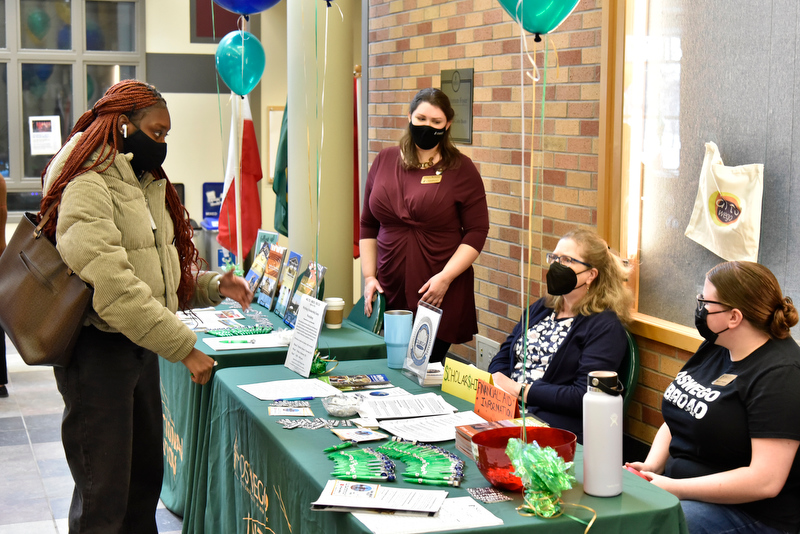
x: 489, y: 451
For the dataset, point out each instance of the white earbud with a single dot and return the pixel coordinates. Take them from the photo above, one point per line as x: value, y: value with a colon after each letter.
x: 125, y: 131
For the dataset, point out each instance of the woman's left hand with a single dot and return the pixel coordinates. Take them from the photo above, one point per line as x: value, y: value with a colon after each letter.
x: 236, y: 288
x: 505, y: 383
x: 434, y: 289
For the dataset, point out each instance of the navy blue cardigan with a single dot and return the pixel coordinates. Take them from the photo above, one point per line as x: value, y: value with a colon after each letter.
x: 594, y: 343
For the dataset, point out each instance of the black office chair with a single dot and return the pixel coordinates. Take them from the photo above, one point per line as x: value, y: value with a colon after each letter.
x: 373, y: 323
x: 629, y: 372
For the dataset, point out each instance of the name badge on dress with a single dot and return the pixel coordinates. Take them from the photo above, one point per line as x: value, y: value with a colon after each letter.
x: 435, y: 179
x: 724, y: 380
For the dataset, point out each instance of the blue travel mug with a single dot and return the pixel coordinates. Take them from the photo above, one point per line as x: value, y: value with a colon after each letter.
x: 397, y: 326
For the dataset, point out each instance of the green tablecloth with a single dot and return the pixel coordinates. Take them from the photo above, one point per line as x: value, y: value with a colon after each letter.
x: 262, y: 478
x: 185, y: 405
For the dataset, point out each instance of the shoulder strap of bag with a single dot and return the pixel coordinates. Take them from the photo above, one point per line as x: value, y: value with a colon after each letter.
x: 37, y: 232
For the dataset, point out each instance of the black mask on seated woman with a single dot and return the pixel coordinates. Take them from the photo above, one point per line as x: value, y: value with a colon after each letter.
x: 701, y: 323
x: 148, y: 154
x: 561, y: 280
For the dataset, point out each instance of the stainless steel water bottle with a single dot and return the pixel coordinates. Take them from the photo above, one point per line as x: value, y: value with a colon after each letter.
x: 602, y: 435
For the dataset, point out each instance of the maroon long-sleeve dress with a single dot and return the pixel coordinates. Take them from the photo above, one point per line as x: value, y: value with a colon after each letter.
x: 419, y: 226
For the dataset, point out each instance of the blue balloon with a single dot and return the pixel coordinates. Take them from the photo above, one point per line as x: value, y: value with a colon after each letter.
x: 246, y: 7
x: 240, y: 61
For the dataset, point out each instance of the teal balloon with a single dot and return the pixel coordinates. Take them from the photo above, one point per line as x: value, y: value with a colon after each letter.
x: 240, y: 61
x: 39, y: 23
x: 539, y: 16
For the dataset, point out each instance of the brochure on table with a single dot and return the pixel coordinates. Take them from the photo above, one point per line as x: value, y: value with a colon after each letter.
x: 457, y: 513
x: 340, y: 495
x: 423, y: 334
x: 430, y: 429
x: 304, y: 388
x: 306, y: 335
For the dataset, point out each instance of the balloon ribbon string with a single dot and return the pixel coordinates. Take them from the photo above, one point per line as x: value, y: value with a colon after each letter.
x: 529, y: 511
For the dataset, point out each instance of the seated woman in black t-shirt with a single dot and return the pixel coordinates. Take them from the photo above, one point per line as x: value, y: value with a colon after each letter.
x: 728, y: 445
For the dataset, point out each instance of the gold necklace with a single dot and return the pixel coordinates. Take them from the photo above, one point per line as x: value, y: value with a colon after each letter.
x: 426, y: 164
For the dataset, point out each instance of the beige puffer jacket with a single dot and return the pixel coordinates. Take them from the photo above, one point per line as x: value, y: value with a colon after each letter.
x: 117, y: 235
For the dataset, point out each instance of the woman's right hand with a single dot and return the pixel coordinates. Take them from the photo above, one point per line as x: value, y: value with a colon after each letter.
x: 200, y: 366
x: 371, y: 285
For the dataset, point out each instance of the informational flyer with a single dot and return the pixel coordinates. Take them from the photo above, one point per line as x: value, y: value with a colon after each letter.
x: 340, y: 495
x: 45, y: 134
x: 423, y: 334
x: 306, y: 335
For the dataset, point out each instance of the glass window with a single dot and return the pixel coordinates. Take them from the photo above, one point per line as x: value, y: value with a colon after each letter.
x: 46, y: 92
x: 2, y: 24
x: 100, y: 77
x: 110, y: 26
x: 45, y: 24
x: 57, y: 58
x: 4, y: 149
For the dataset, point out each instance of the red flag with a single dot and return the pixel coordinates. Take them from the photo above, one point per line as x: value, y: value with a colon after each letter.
x: 248, y: 164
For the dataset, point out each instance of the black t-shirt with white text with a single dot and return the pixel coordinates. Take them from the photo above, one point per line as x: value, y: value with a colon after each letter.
x: 715, y: 406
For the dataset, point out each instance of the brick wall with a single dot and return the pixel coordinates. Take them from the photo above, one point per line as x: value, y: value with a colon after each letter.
x: 410, y: 42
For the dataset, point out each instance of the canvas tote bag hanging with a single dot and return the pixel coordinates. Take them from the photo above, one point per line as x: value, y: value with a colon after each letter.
x: 727, y: 211
x: 44, y: 302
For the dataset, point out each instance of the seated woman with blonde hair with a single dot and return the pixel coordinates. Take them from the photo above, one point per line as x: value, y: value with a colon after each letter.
x: 728, y: 445
x: 576, y: 329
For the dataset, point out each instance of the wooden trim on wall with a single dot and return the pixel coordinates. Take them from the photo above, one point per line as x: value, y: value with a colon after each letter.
x: 672, y: 334
x: 609, y: 194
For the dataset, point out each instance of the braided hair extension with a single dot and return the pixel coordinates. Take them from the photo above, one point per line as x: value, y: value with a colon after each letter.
x: 133, y: 99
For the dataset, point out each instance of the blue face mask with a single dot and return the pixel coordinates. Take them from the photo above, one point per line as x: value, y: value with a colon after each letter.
x: 148, y: 154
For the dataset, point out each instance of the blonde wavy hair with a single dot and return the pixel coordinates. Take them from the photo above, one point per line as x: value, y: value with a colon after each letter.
x: 607, y: 291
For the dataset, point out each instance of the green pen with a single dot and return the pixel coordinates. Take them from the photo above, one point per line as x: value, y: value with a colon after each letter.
x: 454, y: 483
x: 237, y: 340
x: 344, y: 445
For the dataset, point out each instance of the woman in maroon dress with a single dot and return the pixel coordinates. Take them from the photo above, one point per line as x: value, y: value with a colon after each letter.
x: 424, y: 222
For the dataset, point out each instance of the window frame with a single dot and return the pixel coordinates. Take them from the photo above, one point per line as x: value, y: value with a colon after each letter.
x: 13, y: 56
x: 612, y: 189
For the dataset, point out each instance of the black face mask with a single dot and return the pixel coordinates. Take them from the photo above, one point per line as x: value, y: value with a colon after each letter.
x: 701, y: 323
x: 561, y: 280
x: 147, y: 154
x: 426, y: 137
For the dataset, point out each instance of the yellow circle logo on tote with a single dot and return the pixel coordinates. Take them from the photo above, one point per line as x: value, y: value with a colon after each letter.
x: 724, y: 208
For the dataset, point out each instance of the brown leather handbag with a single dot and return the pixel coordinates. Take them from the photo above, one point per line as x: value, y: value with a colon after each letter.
x: 44, y: 303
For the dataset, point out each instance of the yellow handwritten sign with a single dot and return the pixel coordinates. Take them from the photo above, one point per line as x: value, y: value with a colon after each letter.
x: 494, y: 404
x: 461, y: 379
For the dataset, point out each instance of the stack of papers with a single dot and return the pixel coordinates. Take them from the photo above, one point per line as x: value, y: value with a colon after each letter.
x: 343, y: 496
x: 405, y: 406
x: 459, y: 513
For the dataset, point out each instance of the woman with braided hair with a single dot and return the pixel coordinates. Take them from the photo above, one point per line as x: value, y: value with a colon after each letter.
x: 121, y: 227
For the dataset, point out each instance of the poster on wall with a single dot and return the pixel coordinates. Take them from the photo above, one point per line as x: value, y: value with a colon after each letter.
x: 457, y: 85
x: 45, y: 134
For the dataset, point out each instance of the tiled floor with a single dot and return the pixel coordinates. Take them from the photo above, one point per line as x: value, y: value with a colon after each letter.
x: 35, y: 483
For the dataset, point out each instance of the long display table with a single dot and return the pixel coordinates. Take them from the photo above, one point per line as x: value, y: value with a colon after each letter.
x: 262, y: 478
x: 185, y: 405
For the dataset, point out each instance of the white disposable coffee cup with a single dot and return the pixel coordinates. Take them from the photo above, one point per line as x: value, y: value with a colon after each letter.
x: 334, y: 312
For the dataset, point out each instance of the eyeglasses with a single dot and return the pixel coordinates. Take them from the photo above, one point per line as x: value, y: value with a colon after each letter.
x: 566, y: 261
x: 701, y: 302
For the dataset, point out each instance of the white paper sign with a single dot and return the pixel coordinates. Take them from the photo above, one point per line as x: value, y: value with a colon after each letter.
x: 45, y: 134
x: 306, y: 335
x: 423, y: 334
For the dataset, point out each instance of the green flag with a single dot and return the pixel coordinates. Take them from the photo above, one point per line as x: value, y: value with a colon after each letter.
x: 280, y: 183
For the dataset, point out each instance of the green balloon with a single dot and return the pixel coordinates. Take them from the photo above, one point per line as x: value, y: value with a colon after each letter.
x: 39, y: 23
x: 539, y: 16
